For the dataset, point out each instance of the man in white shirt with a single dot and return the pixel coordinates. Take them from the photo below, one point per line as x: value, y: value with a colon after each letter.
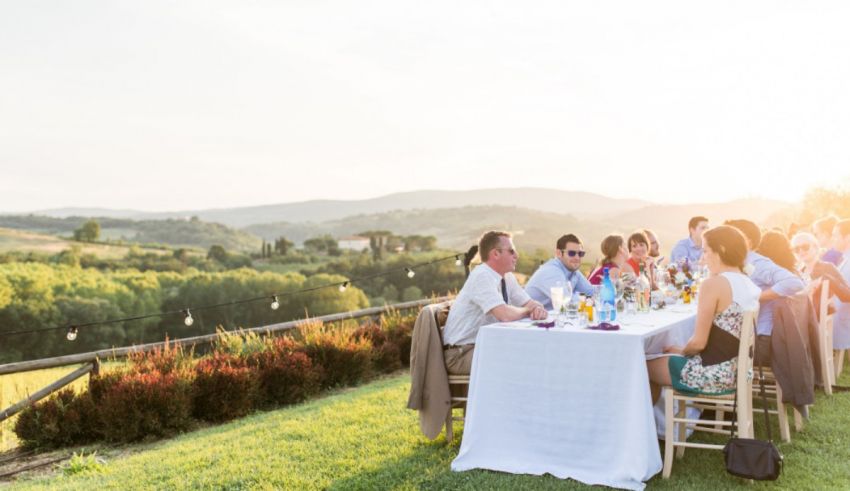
x: 491, y: 294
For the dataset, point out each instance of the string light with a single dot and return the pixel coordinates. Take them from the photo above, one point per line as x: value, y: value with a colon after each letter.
x: 188, y: 320
x: 458, y: 262
x: 72, y: 331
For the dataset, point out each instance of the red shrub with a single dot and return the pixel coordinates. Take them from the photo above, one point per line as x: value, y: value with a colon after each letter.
x: 342, y: 364
x: 286, y: 377
x: 385, y: 352
x: 133, y: 406
x: 224, y: 388
x: 399, y: 331
x: 61, y: 420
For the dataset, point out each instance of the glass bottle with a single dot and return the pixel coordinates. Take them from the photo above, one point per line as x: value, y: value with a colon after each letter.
x: 607, y: 299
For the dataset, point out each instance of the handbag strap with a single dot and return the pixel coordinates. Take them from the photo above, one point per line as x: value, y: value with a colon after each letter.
x: 761, y: 392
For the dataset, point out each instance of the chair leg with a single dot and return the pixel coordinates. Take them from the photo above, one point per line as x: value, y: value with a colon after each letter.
x: 838, y: 359
x: 719, y: 416
x: 682, y: 433
x: 782, y: 416
x: 449, y: 432
x: 669, y: 435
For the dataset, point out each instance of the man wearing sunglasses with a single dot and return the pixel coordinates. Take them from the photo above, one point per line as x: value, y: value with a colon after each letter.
x: 562, y: 269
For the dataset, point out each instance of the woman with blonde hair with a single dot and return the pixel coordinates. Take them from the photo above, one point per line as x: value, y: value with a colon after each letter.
x: 806, y: 249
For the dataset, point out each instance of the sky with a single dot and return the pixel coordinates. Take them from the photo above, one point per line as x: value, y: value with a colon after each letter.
x: 162, y: 105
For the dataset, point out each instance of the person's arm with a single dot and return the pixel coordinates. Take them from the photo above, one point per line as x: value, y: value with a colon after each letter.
x: 838, y: 286
x: 508, y: 313
x: 783, y: 283
x: 583, y: 285
x: 709, y: 295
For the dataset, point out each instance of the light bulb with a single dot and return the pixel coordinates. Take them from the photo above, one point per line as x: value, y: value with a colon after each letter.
x: 188, y: 320
x: 343, y: 286
x: 72, y: 333
x: 458, y: 262
x: 410, y: 272
x: 275, y: 303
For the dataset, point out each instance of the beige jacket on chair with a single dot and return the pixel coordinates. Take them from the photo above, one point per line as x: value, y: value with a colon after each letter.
x: 429, y: 381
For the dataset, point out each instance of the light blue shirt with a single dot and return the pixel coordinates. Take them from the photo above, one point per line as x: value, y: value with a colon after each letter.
x: 548, y: 275
x: 686, y: 249
x: 767, y: 275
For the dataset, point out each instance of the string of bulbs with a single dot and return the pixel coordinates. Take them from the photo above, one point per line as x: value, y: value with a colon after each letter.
x: 72, y: 331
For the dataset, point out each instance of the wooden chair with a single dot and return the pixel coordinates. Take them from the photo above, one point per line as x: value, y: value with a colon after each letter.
x: 773, y: 393
x: 722, y: 403
x: 458, y: 384
x: 828, y: 365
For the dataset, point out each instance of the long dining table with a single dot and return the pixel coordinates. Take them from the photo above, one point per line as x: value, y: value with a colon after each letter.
x: 569, y: 401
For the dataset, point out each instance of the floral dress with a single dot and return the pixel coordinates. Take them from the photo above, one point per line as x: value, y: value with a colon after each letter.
x: 719, y: 378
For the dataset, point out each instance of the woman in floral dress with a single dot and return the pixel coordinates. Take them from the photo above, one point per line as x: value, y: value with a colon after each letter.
x: 707, y: 364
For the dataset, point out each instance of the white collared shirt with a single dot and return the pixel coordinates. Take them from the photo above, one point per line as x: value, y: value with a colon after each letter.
x: 481, y: 293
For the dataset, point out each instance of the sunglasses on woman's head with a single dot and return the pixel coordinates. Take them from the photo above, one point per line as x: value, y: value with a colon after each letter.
x: 573, y: 253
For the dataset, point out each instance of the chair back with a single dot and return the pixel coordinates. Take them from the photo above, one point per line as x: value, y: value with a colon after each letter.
x: 823, y: 305
x: 745, y: 375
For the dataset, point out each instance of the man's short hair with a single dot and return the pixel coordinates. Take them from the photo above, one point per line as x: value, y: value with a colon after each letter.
x: 750, y: 230
x: 488, y: 242
x: 566, y: 239
x: 843, y: 227
x: 694, y: 222
x: 824, y: 225
x: 638, y: 237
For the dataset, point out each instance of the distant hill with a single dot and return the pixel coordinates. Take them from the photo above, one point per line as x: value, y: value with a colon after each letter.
x: 179, y: 233
x: 548, y: 200
x: 460, y: 227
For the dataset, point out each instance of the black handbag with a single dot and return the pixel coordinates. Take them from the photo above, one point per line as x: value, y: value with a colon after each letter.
x: 750, y: 458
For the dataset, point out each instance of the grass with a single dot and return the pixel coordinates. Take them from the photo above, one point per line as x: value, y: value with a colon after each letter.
x: 364, y: 438
x: 23, y: 241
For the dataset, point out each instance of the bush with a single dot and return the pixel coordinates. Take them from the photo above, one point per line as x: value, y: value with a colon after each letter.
x: 134, y: 405
x: 399, y: 331
x: 169, y: 358
x: 224, y: 388
x: 61, y: 420
x: 286, y: 376
x: 239, y: 343
x: 385, y: 353
x: 344, y: 360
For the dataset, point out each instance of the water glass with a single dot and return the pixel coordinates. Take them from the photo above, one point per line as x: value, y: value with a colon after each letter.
x: 556, y: 293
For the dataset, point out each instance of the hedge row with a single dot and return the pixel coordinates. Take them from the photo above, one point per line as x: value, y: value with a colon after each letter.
x: 169, y: 390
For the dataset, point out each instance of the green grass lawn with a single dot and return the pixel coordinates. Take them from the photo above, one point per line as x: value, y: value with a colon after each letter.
x: 364, y: 438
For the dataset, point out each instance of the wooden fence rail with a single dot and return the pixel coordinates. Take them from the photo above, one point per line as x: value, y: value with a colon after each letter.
x: 61, y: 361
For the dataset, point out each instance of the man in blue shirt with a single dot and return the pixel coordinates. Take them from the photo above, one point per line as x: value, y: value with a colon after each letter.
x: 774, y: 281
x: 823, y: 229
x: 690, y: 249
x: 563, y: 269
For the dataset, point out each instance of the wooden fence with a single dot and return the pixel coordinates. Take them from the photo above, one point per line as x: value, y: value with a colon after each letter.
x: 92, y: 359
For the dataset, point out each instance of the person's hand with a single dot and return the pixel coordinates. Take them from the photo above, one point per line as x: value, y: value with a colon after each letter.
x: 537, y: 312
x: 676, y: 350
x: 813, y: 285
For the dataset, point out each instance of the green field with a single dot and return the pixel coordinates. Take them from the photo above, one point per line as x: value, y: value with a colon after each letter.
x: 363, y: 438
x: 23, y: 241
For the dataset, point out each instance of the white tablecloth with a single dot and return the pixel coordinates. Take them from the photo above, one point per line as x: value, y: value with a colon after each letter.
x: 569, y: 402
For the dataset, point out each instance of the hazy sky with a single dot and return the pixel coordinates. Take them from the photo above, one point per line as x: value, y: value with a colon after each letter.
x: 160, y: 105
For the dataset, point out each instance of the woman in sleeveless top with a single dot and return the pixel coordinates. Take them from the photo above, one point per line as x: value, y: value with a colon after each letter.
x: 614, y: 256
x: 707, y: 364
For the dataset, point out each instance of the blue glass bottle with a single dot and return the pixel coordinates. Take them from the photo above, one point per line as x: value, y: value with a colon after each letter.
x: 608, y: 299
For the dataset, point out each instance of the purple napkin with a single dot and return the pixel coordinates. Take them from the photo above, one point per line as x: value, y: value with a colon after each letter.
x: 605, y: 326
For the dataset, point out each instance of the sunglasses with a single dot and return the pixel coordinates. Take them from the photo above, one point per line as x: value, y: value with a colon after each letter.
x: 573, y: 253
x: 802, y: 248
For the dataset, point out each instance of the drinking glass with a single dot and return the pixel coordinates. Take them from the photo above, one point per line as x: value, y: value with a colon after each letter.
x: 556, y: 293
